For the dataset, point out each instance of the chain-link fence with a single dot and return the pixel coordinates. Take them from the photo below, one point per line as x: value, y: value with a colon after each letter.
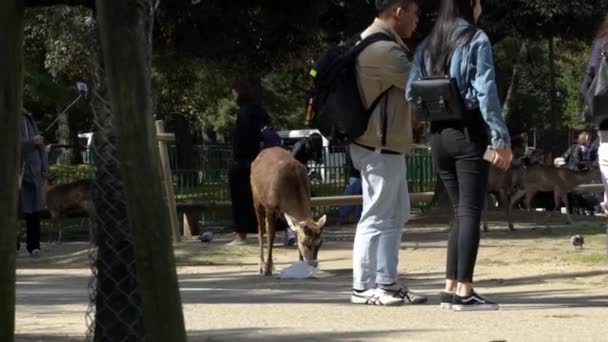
x: 115, y: 312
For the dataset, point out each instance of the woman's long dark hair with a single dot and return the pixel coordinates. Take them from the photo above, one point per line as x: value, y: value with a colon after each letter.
x: 443, y: 40
x: 602, y: 33
x: 248, y: 90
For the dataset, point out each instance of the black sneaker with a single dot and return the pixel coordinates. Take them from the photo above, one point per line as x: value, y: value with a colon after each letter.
x: 399, y: 291
x: 473, y: 302
x: 445, y: 299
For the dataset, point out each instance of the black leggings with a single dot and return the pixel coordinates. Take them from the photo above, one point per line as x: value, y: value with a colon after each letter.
x: 458, y: 157
x: 32, y: 224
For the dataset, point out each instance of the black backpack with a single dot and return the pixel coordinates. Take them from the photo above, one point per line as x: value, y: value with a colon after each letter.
x: 596, y: 96
x: 337, y: 107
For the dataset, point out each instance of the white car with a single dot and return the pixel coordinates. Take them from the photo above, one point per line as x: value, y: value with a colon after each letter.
x: 334, y: 159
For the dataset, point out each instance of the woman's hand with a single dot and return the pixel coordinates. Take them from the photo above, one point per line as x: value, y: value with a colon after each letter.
x: 502, y: 158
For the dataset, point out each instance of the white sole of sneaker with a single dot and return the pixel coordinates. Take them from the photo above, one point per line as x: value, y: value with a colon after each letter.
x: 445, y: 306
x: 363, y: 301
x: 476, y: 307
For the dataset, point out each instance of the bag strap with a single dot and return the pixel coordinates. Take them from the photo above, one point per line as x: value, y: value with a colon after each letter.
x: 369, y: 40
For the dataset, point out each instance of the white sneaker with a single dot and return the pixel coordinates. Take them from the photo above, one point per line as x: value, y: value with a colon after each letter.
x: 604, y: 206
x: 290, y: 237
x: 375, y: 297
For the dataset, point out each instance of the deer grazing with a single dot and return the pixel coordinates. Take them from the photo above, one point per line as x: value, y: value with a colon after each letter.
x: 62, y: 199
x: 549, y: 178
x: 280, y: 186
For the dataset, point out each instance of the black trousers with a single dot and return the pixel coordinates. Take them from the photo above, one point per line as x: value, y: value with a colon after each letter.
x: 243, y: 213
x: 32, y: 224
x: 458, y: 156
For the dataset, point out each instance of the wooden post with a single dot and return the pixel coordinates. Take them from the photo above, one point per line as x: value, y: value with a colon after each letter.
x: 191, y: 218
x: 126, y: 31
x: 11, y: 87
x: 168, y: 181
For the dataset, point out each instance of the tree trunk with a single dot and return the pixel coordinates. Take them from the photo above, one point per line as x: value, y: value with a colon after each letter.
x: 552, y: 135
x: 126, y: 28
x: 63, y: 138
x: 11, y: 88
x: 118, y: 303
x: 523, y: 53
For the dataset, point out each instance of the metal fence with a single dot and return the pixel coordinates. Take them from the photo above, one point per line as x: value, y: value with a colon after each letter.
x: 208, y: 181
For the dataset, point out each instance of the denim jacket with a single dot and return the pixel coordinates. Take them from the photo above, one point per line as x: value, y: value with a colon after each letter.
x: 473, y: 68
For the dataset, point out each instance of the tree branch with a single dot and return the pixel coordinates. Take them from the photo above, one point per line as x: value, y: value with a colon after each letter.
x: 48, y: 3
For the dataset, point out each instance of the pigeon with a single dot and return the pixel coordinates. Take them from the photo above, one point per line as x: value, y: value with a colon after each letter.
x: 577, y: 241
x: 206, y: 237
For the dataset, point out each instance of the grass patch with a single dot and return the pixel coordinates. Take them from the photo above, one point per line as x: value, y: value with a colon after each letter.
x: 197, y: 253
x: 588, y: 259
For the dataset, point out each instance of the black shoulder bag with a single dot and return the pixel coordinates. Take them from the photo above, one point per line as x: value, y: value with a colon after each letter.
x: 437, y: 98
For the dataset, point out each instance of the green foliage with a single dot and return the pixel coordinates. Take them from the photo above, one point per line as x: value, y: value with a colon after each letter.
x: 200, y: 49
x: 571, y: 63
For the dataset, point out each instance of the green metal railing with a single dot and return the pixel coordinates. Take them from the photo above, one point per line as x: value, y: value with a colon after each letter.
x: 208, y: 181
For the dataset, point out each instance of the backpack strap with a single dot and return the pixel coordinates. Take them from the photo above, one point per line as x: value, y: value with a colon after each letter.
x: 369, y: 40
x: 363, y: 44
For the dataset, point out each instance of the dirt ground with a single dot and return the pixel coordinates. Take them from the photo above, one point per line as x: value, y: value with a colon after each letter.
x: 548, y: 291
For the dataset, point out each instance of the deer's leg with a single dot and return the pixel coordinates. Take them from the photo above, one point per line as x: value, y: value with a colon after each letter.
x: 515, y: 198
x: 504, y: 202
x: 564, y: 198
x: 59, y: 232
x: 260, y: 214
x: 529, y: 197
x: 270, y: 231
x: 484, y: 212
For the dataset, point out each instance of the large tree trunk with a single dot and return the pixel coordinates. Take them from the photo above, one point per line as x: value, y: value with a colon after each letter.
x: 126, y: 28
x: 118, y: 303
x: 11, y: 87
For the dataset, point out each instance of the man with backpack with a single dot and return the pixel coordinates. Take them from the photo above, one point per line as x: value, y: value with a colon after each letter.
x: 382, y: 70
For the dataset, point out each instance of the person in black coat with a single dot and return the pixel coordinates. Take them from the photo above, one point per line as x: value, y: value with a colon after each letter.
x: 246, y: 145
x: 34, y: 166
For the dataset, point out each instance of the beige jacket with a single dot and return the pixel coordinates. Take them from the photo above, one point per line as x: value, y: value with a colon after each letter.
x: 380, y: 66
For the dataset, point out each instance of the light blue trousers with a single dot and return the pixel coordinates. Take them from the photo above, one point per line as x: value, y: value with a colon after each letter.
x: 386, y: 208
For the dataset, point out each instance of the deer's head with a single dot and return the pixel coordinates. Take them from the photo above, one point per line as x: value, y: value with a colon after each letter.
x: 309, y: 237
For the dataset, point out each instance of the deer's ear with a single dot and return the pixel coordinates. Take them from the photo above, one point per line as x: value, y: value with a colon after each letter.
x: 322, y: 221
x: 291, y: 222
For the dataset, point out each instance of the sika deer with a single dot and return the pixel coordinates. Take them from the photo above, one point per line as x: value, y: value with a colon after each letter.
x: 549, y: 178
x: 280, y: 185
x: 62, y: 199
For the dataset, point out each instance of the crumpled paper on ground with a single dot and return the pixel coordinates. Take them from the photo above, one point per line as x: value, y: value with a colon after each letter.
x: 302, y: 270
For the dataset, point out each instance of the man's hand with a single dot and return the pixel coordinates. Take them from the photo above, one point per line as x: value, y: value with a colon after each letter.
x: 38, y: 140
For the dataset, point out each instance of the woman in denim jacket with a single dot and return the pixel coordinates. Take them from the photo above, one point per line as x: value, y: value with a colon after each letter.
x: 458, y: 146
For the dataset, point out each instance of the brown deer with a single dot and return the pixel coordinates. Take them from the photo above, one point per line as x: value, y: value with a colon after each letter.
x: 62, y: 199
x: 280, y: 185
x: 549, y: 178
x: 504, y: 185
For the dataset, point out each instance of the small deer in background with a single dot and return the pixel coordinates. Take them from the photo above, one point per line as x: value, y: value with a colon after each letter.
x: 505, y: 183
x: 280, y: 185
x: 549, y: 178
x: 63, y: 199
